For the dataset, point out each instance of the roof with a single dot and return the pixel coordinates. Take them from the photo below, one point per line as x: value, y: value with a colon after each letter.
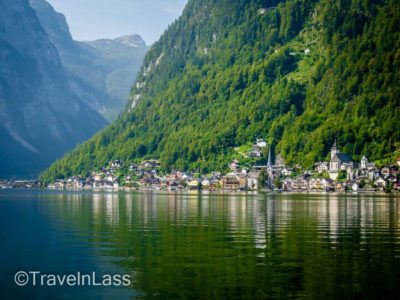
x: 342, y: 157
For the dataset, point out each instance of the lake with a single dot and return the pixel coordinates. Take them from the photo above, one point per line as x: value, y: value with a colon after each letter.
x: 203, y: 246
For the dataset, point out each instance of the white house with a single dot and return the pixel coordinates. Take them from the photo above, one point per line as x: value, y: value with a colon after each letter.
x: 252, y: 180
x: 380, y: 182
x: 365, y: 164
x: 261, y: 143
x: 321, y: 166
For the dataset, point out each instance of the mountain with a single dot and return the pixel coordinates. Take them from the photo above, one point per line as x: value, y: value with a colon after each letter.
x: 119, y: 61
x: 40, y: 115
x: 300, y: 73
x: 102, y: 71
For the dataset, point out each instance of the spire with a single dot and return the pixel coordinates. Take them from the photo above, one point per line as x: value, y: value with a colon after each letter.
x: 334, y: 149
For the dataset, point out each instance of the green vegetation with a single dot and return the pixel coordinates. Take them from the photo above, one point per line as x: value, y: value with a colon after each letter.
x: 299, y: 73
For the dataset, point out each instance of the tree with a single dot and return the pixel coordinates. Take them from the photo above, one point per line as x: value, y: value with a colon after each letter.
x: 262, y: 179
x: 342, y: 176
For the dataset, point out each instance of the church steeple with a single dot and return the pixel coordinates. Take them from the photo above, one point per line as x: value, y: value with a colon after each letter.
x: 334, y: 149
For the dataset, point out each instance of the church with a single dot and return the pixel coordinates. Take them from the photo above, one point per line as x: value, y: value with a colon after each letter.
x: 340, y: 161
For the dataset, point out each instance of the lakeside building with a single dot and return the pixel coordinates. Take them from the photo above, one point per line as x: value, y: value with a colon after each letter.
x: 340, y: 162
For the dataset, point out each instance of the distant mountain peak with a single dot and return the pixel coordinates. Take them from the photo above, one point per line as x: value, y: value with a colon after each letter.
x: 133, y: 40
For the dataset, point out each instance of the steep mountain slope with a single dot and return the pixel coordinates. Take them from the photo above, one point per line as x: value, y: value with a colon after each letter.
x: 299, y: 72
x: 40, y: 116
x: 101, y: 72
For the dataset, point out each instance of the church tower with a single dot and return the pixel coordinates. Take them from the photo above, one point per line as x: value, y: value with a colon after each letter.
x: 334, y: 150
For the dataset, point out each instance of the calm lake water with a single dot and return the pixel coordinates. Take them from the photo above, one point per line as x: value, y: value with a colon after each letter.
x: 203, y: 246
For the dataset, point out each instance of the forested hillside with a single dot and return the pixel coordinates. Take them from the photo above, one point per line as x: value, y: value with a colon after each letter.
x: 299, y: 73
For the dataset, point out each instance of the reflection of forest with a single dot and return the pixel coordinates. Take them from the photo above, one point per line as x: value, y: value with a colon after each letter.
x: 238, y: 246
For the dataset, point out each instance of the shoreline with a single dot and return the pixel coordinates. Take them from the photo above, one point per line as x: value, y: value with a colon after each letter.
x: 204, y: 192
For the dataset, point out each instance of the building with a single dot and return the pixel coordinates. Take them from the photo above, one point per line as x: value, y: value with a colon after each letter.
x: 340, y: 162
x: 252, y: 180
x: 230, y: 182
x: 321, y: 167
x: 365, y: 164
x: 261, y: 143
x: 380, y: 182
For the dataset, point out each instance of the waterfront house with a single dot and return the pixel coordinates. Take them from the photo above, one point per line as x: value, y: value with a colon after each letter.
x: 380, y: 182
x: 193, y: 184
x: 230, y: 182
x: 252, y: 180
x: 327, y: 184
x: 300, y: 184
x: 287, y: 184
x: 315, y: 184
x: 205, y: 184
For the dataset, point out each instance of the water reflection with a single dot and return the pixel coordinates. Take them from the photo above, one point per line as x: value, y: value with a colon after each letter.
x: 243, y: 246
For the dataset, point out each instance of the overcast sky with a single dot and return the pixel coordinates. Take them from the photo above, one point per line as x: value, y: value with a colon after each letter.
x: 94, y: 19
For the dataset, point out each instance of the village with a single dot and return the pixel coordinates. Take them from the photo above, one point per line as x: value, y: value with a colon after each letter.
x: 341, y: 173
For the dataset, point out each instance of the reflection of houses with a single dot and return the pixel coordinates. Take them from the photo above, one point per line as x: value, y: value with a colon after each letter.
x: 340, y: 162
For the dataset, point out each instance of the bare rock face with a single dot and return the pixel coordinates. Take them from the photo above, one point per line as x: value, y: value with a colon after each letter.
x: 41, y: 116
x: 102, y: 71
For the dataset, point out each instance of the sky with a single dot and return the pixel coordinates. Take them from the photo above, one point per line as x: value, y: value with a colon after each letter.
x: 94, y: 19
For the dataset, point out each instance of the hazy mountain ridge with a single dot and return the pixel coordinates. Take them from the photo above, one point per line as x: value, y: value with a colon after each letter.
x: 97, y: 70
x: 300, y: 73
x: 40, y: 116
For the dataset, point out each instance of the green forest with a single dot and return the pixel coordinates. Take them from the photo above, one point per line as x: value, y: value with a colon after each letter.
x: 298, y: 73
